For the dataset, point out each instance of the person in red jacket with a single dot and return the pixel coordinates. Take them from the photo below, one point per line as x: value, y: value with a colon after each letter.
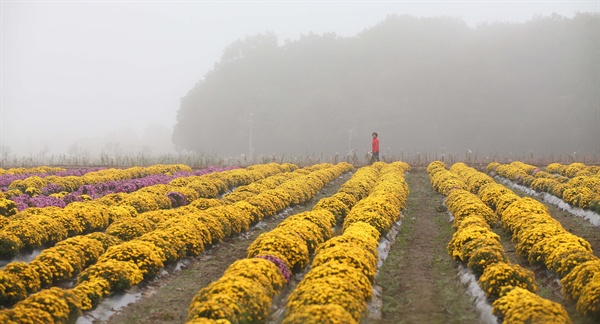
x: 375, y: 148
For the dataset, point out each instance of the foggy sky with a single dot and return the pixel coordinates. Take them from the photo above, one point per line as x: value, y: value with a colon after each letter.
x: 108, y: 71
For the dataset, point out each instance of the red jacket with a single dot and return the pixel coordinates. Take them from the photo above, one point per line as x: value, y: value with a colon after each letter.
x: 375, y: 145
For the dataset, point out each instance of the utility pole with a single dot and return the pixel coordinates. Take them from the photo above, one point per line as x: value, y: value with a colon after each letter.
x: 250, y: 140
x: 350, y: 140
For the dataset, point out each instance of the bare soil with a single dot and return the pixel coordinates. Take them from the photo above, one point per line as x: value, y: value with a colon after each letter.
x: 419, y: 281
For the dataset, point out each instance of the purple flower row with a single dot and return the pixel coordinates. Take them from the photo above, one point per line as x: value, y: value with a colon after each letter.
x: 99, y: 190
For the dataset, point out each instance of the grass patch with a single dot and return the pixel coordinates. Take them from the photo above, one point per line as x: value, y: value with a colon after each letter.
x: 452, y: 295
x: 390, y: 273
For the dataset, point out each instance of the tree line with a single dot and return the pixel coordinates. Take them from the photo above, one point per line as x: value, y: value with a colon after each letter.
x: 424, y: 84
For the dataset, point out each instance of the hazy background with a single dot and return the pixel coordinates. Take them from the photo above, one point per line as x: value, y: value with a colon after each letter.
x: 85, y: 77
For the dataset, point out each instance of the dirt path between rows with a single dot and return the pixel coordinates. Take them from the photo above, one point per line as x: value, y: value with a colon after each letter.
x: 419, y: 279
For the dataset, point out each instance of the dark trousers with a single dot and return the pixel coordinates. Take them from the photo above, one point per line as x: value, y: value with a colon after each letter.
x: 375, y: 157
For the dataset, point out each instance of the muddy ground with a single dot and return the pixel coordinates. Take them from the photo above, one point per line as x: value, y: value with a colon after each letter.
x: 419, y: 282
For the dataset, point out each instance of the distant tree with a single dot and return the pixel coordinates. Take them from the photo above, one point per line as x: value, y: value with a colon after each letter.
x: 146, y: 150
x: 76, y: 150
x: 43, y: 152
x: 5, y: 152
x: 112, y: 149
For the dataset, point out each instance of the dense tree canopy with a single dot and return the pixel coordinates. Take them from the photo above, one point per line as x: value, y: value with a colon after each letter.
x: 424, y: 84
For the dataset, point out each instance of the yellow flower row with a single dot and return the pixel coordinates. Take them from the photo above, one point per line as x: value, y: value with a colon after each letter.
x: 72, y: 183
x: 123, y: 229
x: 382, y: 207
x: 496, y: 196
x: 462, y: 204
x: 53, y: 265
x: 583, y: 197
x: 541, y: 239
x: 337, y: 278
x: 529, y: 222
x: 128, y: 263
x: 469, y: 225
x: 573, y: 170
x: 242, y: 295
x: 290, y: 243
x: 474, y: 180
x: 581, y: 189
x: 442, y: 180
x: 7, y: 208
x: 583, y: 284
x: 518, y: 305
x: 40, y: 169
x: 60, y: 262
x: 225, y: 217
x: 476, y: 244
x: 254, y: 188
x: 127, y: 228
x: 53, y: 305
x: 341, y: 273
x: 66, y: 261
x: 352, y: 191
x: 35, y: 227
x: 498, y: 276
x: 511, y: 171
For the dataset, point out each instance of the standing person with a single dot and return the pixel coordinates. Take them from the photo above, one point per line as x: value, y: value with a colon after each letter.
x: 375, y: 148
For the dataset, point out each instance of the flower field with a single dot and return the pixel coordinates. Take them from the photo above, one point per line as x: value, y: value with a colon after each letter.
x: 280, y: 243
